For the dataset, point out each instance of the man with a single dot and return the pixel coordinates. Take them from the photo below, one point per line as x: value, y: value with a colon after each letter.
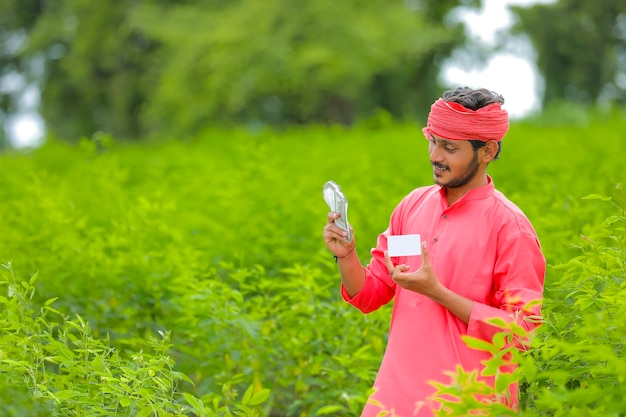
x: 480, y: 259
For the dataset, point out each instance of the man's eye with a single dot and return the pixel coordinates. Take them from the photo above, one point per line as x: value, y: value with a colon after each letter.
x: 449, y: 149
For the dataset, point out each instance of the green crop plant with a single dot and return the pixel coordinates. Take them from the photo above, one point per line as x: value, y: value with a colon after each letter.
x: 201, y: 264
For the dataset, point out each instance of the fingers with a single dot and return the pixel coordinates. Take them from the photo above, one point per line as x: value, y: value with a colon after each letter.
x: 391, y: 268
x: 332, y: 232
x: 330, y: 226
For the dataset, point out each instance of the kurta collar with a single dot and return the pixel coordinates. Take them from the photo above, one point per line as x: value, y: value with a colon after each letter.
x: 473, y: 194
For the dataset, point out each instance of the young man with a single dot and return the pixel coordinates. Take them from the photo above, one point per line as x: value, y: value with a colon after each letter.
x: 480, y: 259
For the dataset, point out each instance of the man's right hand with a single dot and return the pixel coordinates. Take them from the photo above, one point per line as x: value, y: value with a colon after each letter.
x: 352, y: 273
x: 335, y: 237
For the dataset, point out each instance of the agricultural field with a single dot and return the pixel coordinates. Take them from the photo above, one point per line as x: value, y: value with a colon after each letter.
x: 190, y: 277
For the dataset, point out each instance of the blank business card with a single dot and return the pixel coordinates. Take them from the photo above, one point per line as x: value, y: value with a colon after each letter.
x: 404, y: 245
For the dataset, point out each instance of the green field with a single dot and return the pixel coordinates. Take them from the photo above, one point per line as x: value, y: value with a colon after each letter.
x: 191, y: 277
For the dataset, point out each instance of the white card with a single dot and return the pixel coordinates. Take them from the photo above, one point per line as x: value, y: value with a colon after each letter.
x: 404, y: 245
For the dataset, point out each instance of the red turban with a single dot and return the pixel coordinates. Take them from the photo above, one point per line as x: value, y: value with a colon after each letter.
x: 450, y: 120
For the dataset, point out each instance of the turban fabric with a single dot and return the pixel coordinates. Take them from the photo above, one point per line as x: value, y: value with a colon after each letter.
x: 451, y: 120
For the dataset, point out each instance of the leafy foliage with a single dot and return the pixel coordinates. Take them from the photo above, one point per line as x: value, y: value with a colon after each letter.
x: 68, y: 372
x: 202, y: 261
x: 283, y: 61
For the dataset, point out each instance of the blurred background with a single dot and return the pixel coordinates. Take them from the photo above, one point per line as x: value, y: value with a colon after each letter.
x: 137, y: 69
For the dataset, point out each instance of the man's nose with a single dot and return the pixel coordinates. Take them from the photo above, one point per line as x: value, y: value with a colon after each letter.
x: 435, y: 154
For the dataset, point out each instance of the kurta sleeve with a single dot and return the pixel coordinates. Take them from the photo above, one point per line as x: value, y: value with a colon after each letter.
x: 379, y: 288
x: 518, y: 280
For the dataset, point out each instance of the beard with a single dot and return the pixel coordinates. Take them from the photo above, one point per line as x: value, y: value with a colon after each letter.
x: 466, y: 176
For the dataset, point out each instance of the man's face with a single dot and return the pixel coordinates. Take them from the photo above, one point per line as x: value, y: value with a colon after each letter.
x: 455, y: 163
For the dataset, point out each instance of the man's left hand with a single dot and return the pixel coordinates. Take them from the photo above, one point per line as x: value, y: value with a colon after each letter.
x: 423, y: 281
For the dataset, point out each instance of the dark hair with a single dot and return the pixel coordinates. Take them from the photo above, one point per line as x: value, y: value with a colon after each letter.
x: 474, y: 99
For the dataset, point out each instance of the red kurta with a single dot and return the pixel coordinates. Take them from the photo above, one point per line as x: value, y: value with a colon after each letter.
x: 482, y: 247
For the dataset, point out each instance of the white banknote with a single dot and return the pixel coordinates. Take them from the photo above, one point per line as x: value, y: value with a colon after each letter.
x: 338, y: 203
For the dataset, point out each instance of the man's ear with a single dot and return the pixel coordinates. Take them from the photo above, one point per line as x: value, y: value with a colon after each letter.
x: 490, y: 150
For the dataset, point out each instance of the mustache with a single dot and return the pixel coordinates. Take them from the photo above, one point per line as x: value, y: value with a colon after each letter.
x: 440, y: 166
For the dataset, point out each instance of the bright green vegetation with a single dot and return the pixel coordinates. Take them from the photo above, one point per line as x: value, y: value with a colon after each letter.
x: 190, y: 278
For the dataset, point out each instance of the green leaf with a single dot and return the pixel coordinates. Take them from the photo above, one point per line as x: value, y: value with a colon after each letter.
x: 611, y: 220
x: 195, y: 403
x: 601, y: 197
x: 498, y: 322
x: 499, y: 341
x: 183, y: 376
x: 50, y: 301
x: 34, y: 278
x: 247, y: 396
x: 585, y: 303
x: 329, y: 409
x: 260, y: 397
x: 66, y: 394
x: 144, y: 412
x: 478, y: 344
x: 19, y: 364
x: 504, y: 380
